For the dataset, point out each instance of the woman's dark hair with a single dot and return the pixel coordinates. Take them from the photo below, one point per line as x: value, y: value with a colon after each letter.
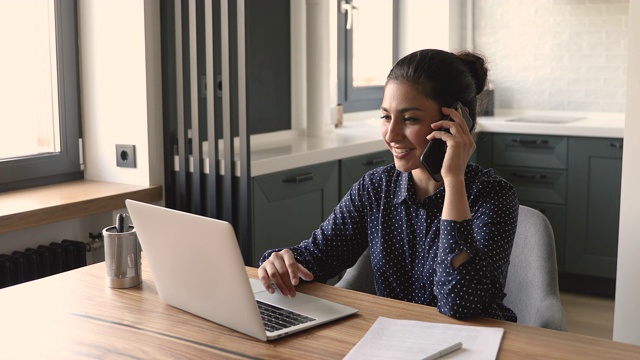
x: 444, y: 77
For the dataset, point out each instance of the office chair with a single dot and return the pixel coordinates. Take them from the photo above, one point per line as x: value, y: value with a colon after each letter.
x: 532, y: 282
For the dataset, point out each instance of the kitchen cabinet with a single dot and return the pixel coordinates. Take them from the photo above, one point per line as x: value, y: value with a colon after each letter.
x: 593, y: 205
x: 536, y: 165
x: 575, y: 182
x: 289, y: 205
x: 353, y: 168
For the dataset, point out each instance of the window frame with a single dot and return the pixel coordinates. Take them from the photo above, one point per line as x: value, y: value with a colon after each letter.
x: 50, y: 168
x: 358, y: 98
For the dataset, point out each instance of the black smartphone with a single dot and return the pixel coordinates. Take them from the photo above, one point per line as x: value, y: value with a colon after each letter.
x: 433, y: 156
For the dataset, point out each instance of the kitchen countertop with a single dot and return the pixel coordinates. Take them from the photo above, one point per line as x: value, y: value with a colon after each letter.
x: 352, y: 139
x: 292, y: 149
x: 605, y: 125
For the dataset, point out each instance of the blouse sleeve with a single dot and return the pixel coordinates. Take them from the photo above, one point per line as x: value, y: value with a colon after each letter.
x: 478, y: 284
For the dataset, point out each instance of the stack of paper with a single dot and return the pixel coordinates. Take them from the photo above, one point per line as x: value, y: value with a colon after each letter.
x: 408, y: 339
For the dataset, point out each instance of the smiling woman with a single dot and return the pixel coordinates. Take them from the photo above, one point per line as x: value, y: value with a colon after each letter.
x: 39, y: 132
x: 439, y: 242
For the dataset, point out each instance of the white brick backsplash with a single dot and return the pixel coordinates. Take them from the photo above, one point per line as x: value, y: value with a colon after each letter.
x: 615, y: 83
x: 555, y: 54
x: 585, y: 82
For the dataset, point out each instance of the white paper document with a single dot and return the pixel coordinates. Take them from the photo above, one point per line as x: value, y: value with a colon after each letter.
x: 408, y: 339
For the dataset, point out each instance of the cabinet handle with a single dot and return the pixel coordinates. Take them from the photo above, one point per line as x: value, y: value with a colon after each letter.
x: 374, y: 162
x: 298, y: 178
x: 529, y: 176
x: 617, y: 145
x: 530, y: 142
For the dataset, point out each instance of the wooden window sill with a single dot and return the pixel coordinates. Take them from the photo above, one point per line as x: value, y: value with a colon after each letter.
x: 27, y: 208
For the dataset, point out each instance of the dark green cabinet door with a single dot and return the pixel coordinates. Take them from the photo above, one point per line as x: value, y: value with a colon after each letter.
x: 536, y: 168
x: 289, y: 205
x: 593, y: 206
x: 541, y: 151
x: 484, y: 149
x: 535, y: 184
x: 353, y: 168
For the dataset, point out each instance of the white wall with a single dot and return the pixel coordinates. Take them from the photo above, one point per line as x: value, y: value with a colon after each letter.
x: 121, y: 88
x: 318, y: 58
x: 626, y: 326
x: 424, y: 24
x: 555, y: 55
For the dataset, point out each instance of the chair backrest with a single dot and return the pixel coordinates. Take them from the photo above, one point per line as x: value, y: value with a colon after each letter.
x: 532, y: 282
x: 359, y: 277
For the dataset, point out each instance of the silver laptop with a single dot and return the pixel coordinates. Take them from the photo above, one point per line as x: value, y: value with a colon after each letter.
x: 197, y: 267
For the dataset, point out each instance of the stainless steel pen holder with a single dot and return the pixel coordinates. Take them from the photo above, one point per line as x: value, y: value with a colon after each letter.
x: 122, y: 255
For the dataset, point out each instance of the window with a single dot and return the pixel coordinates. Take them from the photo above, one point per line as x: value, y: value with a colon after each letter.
x: 39, y: 93
x: 367, y: 38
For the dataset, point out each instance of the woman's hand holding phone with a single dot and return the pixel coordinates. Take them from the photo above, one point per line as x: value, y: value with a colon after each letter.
x: 451, y: 147
x: 459, y: 147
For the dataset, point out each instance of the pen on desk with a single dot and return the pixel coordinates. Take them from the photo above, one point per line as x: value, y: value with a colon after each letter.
x: 119, y: 222
x: 122, y: 225
x: 445, y: 351
x: 125, y: 222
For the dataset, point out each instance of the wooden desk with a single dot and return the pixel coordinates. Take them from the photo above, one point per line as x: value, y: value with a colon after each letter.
x: 75, y: 315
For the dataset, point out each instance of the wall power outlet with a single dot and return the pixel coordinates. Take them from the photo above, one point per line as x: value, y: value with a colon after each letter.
x: 126, y: 155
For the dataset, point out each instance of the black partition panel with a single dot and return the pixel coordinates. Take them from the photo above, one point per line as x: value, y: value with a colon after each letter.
x: 205, y: 112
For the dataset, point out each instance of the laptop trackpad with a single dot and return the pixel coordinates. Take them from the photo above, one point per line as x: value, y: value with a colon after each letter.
x: 284, y: 301
x: 300, y: 301
x: 277, y: 299
x: 256, y: 285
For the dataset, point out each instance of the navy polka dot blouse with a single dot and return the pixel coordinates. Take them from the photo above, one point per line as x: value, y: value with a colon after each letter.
x: 411, y: 246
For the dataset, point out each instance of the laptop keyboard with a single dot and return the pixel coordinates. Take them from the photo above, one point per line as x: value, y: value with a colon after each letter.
x: 276, y: 318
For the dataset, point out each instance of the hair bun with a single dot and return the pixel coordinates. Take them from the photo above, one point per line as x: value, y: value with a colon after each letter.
x: 477, y: 66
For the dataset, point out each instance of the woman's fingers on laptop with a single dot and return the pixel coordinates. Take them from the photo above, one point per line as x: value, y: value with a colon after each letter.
x: 282, y: 272
x: 296, y: 271
x: 275, y: 274
x: 304, y: 273
x: 266, y: 278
